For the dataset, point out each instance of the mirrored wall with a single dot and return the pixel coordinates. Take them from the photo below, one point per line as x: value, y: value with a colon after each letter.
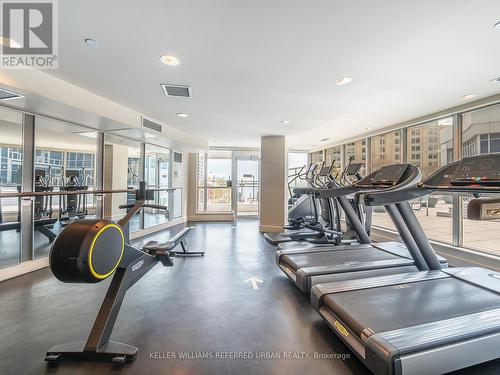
x: 11, y: 161
x: 45, y: 155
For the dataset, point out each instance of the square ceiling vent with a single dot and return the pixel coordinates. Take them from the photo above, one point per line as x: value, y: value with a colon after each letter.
x: 176, y: 90
x: 8, y: 95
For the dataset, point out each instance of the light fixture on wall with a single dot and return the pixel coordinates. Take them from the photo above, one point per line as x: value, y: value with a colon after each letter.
x: 343, y: 81
x: 468, y: 97
x: 182, y: 115
x: 169, y: 60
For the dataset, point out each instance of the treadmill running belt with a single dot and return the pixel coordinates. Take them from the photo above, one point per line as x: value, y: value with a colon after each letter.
x: 353, y: 256
x: 409, y: 304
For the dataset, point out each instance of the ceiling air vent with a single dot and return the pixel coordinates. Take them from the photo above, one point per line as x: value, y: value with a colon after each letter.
x: 151, y: 125
x: 8, y: 95
x: 177, y: 157
x: 176, y: 90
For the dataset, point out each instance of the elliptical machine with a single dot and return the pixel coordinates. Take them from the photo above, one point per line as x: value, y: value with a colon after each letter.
x: 43, y: 220
x: 73, y: 207
x: 301, y: 207
x: 90, y: 251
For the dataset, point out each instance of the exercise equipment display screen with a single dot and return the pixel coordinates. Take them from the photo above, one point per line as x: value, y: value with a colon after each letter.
x: 72, y: 173
x: 480, y: 170
x: 325, y: 171
x: 390, y: 175
x: 353, y: 168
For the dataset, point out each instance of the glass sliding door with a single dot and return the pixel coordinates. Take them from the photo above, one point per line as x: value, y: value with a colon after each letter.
x: 157, y: 164
x: 247, y: 187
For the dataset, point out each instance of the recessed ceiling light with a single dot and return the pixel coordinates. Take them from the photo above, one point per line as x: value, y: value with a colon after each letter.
x: 183, y: 115
x: 9, y: 42
x: 497, y: 25
x: 324, y: 139
x: 169, y: 60
x: 91, y: 42
x: 286, y: 122
x: 343, y: 81
x: 468, y: 97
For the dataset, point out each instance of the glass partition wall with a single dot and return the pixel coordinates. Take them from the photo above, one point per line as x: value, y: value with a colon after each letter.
x: 11, y: 159
x: 46, y: 155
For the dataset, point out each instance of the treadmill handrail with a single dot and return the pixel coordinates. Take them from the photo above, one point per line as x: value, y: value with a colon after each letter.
x: 439, y: 181
x: 394, y: 194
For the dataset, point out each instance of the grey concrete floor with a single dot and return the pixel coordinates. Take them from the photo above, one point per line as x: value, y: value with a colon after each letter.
x: 200, y: 305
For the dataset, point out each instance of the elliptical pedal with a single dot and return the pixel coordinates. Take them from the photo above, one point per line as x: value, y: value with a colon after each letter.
x: 53, y: 358
x: 120, y: 360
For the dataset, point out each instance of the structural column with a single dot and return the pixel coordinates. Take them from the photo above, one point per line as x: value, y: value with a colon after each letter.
x: 273, y: 189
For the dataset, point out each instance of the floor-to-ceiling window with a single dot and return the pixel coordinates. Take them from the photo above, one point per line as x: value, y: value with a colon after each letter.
x: 429, y: 146
x: 386, y: 149
x: 11, y: 159
x: 216, y: 185
x: 317, y: 157
x: 334, y: 155
x: 297, y: 163
x: 481, y: 135
x: 219, y: 182
x: 355, y: 152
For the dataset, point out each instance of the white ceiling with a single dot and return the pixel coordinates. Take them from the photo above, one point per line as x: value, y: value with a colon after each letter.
x: 254, y: 63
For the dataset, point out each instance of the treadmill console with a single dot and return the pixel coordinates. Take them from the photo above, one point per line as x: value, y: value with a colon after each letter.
x: 353, y: 169
x: 478, y: 170
x: 325, y: 171
x: 39, y: 172
x: 390, y: 175
x: 72, y: 173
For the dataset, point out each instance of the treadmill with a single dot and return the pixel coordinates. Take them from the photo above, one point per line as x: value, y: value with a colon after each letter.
x: 316, y: 230
x: 322, y: 264
x: 428, y: 322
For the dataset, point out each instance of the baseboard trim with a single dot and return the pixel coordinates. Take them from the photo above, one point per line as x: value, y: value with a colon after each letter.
x: 23, y: 268
x: 227, y: 217
x: 270, y: 229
